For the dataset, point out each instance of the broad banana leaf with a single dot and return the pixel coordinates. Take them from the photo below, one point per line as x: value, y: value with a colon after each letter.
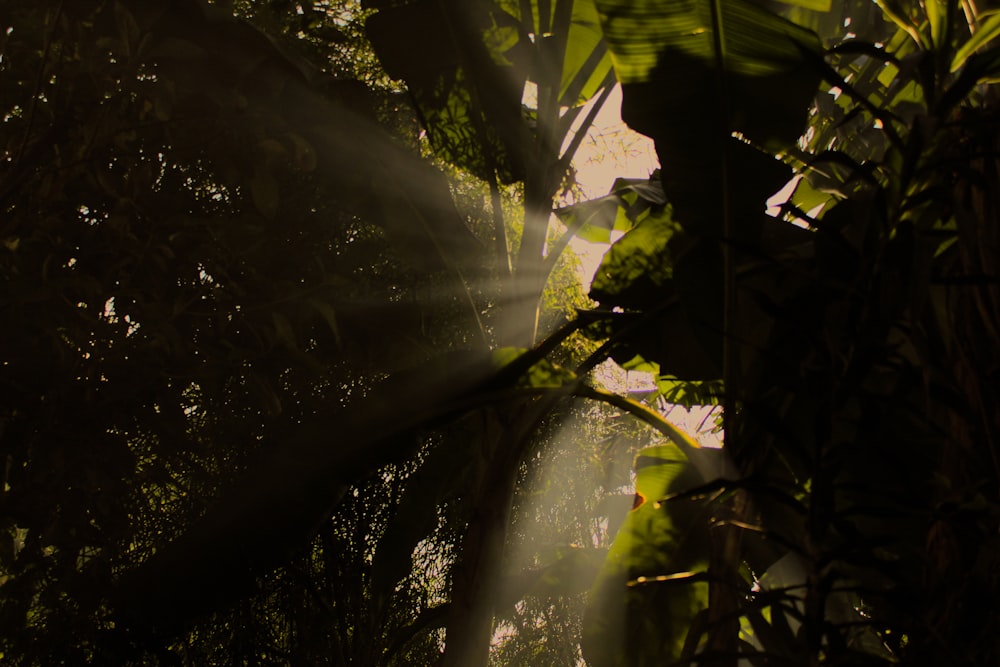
x: 630, y: 200
x: 720, y: 86
x: 693, y: 77
x: 657, y: 274
x: 652, y: 583
x: 580, y: 57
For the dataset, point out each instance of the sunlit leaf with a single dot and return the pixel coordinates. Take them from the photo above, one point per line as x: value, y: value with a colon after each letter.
x: 938, y: 16
x: 640, y: 254
x: 640, y: 365
x: 586, y: 61
x: 985, y: 33
x: 689, y: 393
x: 629, y: 201
x: 641, y: 34
x: 900, y: 15
x: 596, y: 219
x: 628, y: 624
x: 815, y: 5
x: 809, y: 199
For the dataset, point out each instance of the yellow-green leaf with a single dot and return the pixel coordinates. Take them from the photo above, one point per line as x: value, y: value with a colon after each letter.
x: 937, y: 17
x: 815, y: 5
x: 985, y: 33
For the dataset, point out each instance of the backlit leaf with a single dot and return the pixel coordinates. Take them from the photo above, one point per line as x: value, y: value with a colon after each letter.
x: 630, y: 200
x: 985, y: 33
x: 641, y: 253
x: 628, y: 624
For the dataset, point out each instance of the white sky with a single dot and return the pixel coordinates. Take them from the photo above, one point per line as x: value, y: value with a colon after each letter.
x: 611, y: 150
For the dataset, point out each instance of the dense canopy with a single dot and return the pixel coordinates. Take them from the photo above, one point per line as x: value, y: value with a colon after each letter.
x: 295, y: 368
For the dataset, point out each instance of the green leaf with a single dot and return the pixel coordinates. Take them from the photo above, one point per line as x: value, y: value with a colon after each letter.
x: 689, y: 393
x: 900, y: 15
x: 814, y: 5
x: 980, y: 67
x: 811, y: 200
x: 596, y: 219
x: 657, y: 468
x: 641, y: 254
x: 586, y: 61
x: 937, y: 16
x: 640, y: 365
x: 758, y: 43
x: 629, y: 200
x: 985, y: 33
x: 628, y: 624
